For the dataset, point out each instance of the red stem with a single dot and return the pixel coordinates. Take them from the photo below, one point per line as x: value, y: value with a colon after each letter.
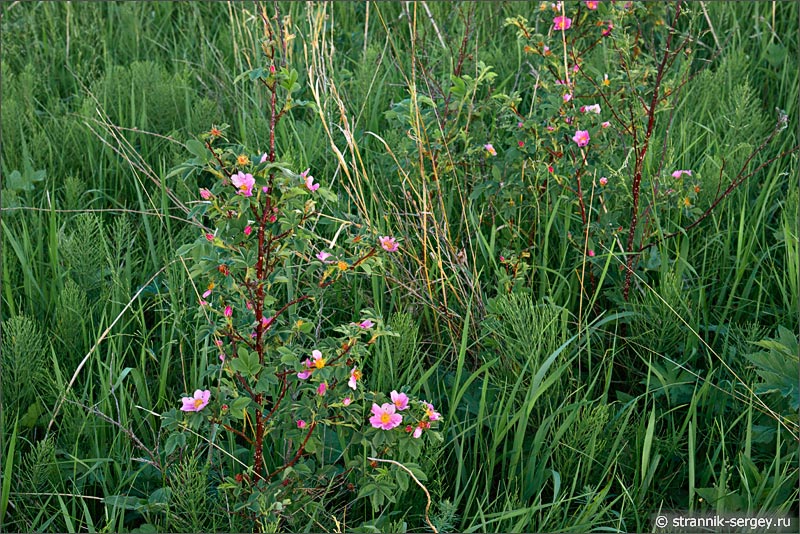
x: 299, y: 452
x: 640, y: 155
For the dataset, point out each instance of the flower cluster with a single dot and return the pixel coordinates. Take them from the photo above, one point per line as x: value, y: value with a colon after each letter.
x: 387, y: 416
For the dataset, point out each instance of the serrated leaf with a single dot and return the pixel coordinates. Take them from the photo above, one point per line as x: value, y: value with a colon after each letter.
x: 175, y: 440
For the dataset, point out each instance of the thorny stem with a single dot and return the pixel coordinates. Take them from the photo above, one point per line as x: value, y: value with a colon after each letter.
x: 640, y: 155
x: 263, y: 265
x: 299, y: 452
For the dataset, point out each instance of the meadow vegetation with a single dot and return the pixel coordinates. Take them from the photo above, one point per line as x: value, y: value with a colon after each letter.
x: 239, y: 240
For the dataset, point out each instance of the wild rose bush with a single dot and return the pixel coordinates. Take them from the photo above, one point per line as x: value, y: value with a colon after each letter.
x: 598, y: 88
x: 288, y: 389
x: 588, y: 124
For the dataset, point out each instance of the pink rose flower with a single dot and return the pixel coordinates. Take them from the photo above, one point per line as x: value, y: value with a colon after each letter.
x: 244, y: 183
x: 562, y: 23
x: 310, y: 184
x: 303, y: 375
x: 196, y: 402
x: 581, y: 138
x: 388, y: 243
x: 400, y: 400
x: 355, y: 376
x: 384, y: 416
x: 432, y: 414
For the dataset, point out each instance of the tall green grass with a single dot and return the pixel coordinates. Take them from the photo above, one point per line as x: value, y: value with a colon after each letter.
x: 561, y: 413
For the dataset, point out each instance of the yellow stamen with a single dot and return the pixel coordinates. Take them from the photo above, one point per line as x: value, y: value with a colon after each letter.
x: 385, y: 418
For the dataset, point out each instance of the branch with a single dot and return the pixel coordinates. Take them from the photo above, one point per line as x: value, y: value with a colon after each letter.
x: 296, y: 456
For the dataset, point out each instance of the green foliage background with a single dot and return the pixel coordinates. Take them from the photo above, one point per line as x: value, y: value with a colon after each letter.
x: 560, y: 413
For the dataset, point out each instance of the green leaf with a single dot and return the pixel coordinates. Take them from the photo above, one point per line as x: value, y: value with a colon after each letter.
x: 185, y: 250
x: 239, y: 406
x: 175, y: 440
x: 198, y: 211
x: 23, y: 182
x: 367, y: 490
x: 160, y: 497
x: 288, y: 357
x: 125, y: 502
x: 776, y: 53
x: 414, y: 468
x: 198, y: 149
x: 247, y: 363
x: 31, y: 415
x: 402, y: 479
x: 5, y: 486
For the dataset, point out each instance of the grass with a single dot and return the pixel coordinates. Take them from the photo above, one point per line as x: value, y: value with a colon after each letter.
x: 565, y: 409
